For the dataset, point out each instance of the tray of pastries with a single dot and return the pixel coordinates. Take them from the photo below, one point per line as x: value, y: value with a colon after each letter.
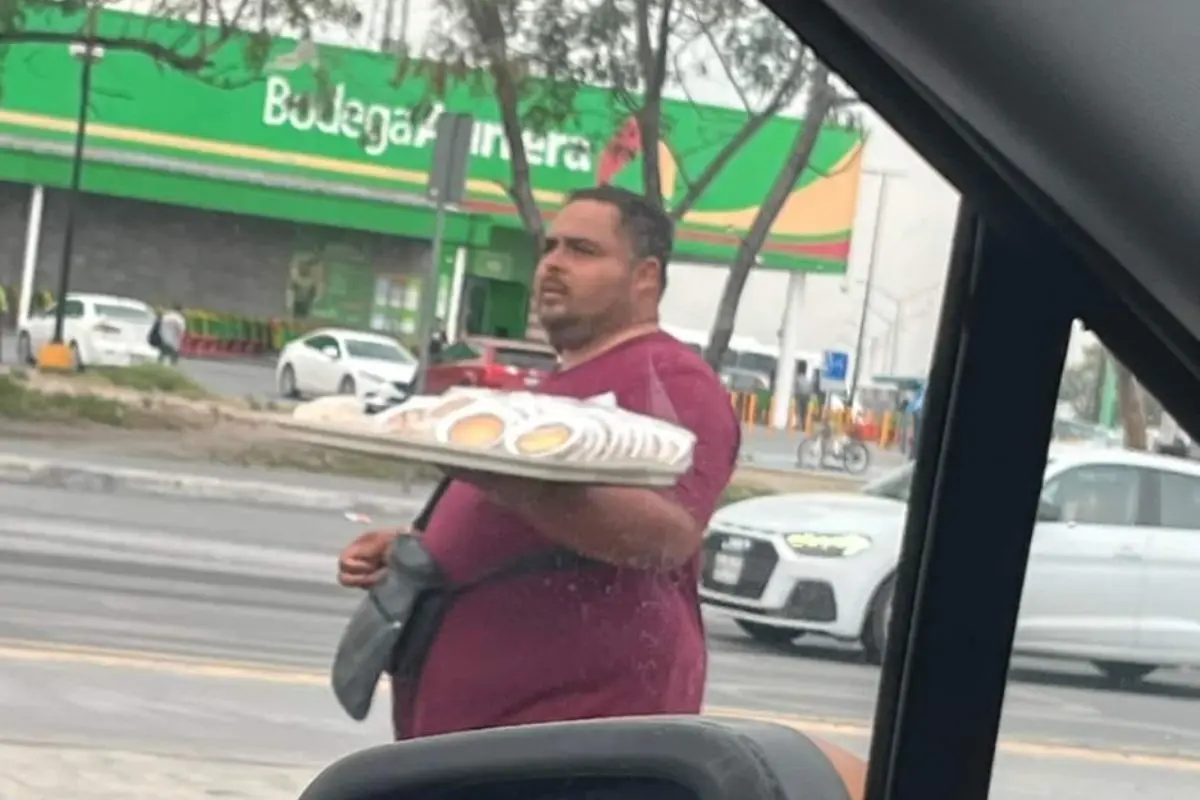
x: 522, y: 434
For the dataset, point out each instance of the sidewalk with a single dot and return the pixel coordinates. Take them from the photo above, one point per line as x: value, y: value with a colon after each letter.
x: 38, y: 772
x: 49, y: 464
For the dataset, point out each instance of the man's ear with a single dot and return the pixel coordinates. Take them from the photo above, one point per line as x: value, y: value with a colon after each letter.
x: 647, y: 276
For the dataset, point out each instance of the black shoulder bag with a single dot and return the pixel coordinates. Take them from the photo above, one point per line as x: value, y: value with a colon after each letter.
x: 398, y: 620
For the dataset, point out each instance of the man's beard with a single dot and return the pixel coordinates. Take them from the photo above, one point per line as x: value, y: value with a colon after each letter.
x: 569, y: 333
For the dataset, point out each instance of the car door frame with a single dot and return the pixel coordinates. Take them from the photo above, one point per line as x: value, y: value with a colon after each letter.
x: 1082, y: 576
x: 1173, y: 582
x: 312, y: 378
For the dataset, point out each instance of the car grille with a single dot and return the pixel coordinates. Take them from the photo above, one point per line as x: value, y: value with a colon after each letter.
x: 759, y: 557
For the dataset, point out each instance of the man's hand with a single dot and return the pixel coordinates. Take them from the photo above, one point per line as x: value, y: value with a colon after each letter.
x: 364, y: 561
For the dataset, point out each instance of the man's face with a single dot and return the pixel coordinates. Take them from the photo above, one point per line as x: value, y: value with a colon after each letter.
x: 587, y: 282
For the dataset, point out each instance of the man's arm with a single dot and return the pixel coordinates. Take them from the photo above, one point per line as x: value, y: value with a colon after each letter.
x: 627, y: 526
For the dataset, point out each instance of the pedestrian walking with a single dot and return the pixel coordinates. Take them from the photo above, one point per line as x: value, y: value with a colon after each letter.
x: 171, y: 328
x: 621, y: 635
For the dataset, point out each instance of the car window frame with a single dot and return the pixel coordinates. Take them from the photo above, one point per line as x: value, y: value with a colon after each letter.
x: 53, y: 310
x: 444, y: 356
x: 1143, y: 511
x: 332, y: 340
x: 1158, y: 487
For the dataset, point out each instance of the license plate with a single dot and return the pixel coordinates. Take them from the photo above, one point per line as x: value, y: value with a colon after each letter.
x: 727, y: 568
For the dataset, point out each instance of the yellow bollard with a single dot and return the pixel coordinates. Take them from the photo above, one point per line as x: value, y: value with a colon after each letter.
x: 885, y: 430
x: 751, y: 407
x: 56, y: 358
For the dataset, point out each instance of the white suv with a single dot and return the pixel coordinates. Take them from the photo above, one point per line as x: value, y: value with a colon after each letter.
x: 1113, y: 575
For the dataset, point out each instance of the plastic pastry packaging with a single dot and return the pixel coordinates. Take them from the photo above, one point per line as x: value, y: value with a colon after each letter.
x: 540, y: 428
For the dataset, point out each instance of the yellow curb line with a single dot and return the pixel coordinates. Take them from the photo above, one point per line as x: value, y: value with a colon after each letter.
x: 40, y: 652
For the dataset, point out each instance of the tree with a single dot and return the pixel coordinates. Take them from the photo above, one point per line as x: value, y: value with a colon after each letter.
x: 823, y: 105
x: 213, y: 26
x: 1133, y: 412
x: 537, y: 54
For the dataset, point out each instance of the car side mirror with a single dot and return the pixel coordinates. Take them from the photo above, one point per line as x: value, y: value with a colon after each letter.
x: 1048, y: 512
x: 330, y: 352
x: 664, y: 758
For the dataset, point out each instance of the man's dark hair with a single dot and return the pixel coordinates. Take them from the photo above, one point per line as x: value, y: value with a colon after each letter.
x: 650, y: 229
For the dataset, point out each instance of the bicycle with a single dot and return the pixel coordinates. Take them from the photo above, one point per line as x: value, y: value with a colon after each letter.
x: 825, y: 450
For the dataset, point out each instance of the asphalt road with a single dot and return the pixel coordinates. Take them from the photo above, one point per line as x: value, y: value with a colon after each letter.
x: 206, y: 628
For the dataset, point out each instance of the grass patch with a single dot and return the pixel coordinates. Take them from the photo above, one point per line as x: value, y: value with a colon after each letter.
x: 19, y: 401
x: 324, y: 461
x: 737, y: 492
x: 151, y: 378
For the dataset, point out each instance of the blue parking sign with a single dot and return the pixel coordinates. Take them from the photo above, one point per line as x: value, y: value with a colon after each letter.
x: 835, y: 366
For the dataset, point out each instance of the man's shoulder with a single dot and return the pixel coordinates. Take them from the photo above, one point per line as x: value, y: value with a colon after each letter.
x: 664, y: 356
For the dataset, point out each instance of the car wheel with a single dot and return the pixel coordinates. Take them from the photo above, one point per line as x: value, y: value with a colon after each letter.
x: 768, y: 634
x: 1122, y: 673
x: 287, y: 383
x: 25, y: 350
x: 346, y: 386
x: 875, y: 632
x: 76, y: 358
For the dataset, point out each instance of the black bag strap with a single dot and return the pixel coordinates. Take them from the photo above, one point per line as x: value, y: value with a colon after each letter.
x: 422, y: 519
x: 555, y: 559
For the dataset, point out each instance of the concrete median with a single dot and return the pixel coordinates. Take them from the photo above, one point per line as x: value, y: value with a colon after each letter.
x: 104, y: 478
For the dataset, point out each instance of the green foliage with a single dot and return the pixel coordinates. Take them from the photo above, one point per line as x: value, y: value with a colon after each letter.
x: 19, y: 401
x: 151, y: 378
x: 245, y: 29
x: 535, y: 55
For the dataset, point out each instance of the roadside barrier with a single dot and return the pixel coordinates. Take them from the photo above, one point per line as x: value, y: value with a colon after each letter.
x: 755, y: 410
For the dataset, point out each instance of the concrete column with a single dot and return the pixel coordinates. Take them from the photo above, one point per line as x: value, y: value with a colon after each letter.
x: 453, y: 319
x: 33, y: 238
x: 789, y: 344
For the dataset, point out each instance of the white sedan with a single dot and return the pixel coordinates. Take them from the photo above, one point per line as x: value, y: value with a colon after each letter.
x: 100, y: 329
x: 333, y: 361
x: 1113, y: 574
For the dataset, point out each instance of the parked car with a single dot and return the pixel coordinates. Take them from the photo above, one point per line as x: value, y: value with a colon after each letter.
x: 1113, y: 574
x: 490, y: 363
x: 100, y: 329
x: 341, y: 361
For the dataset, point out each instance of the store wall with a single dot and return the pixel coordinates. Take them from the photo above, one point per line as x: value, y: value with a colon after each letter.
x: 163, y: 254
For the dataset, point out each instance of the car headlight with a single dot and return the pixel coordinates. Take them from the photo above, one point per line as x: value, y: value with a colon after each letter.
x: 828, y: 545
x: 369, y: 378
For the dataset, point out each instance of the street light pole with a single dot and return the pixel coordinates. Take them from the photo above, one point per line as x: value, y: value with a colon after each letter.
x: 866, y: 302
x: 85, y: 90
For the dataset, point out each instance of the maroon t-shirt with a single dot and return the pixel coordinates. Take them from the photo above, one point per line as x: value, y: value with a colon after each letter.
x: 598, y: 642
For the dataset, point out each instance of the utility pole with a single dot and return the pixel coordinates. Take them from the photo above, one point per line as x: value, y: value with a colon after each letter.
x: 872, y: 257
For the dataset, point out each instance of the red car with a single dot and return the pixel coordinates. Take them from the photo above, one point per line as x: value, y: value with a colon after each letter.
x: 490, y: 363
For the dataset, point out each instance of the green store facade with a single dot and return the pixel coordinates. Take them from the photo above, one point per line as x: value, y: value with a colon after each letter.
x: 246, y: 201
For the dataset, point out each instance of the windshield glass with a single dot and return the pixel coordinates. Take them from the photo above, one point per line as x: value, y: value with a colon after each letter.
x: 541, y: 360
x: 124, y: 313
x: 211, y: 504
x: 378, y: 351
x: 895, y: 485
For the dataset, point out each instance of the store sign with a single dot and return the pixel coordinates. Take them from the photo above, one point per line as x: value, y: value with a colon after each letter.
x: 362, y: 131
x: 379, y: 127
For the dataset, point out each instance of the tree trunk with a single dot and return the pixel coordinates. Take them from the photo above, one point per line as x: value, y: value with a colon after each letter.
x: 485, y: 18
x: 652, y: 55
x: 820, y: 103
x: 1133, y: 413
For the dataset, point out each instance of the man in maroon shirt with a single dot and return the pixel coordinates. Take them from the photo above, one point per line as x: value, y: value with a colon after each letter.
x: 624, y: 637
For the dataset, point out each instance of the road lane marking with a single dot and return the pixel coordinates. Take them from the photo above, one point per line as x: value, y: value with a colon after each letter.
x: 197, y: 667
